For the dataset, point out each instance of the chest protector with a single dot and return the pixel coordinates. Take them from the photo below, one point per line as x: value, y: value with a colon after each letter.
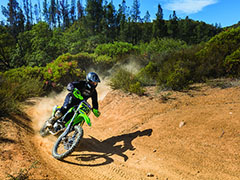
x: 87, y: 90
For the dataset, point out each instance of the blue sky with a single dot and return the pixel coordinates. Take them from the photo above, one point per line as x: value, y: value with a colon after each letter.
x: 224, y: 12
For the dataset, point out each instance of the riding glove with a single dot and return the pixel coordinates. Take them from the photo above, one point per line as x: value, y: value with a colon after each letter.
x: 96, y: 112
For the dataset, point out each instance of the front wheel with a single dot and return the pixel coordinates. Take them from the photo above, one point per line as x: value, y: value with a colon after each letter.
x: 66, y: 144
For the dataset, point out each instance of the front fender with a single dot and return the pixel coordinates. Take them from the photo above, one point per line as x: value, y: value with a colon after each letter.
x: 85, y: 117
x: 80, y: 119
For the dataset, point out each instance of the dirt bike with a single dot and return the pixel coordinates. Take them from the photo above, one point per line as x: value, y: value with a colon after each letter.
x: 71, y: 125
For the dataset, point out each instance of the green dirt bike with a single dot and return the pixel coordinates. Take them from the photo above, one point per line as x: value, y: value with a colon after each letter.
x: 71, y: 125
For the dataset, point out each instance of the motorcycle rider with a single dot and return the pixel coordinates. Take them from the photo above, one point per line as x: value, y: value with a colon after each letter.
x: 79, y: 90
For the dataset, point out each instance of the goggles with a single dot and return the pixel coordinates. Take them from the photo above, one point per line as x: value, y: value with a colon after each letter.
x: 93, y: 83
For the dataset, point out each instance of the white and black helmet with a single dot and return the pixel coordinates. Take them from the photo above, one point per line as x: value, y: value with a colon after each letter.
x: 93, y: 79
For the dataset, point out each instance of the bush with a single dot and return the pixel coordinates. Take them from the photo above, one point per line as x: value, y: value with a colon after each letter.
x: 136, y: 88
x: 103, y: 59
x: 213, y: 55
x: 232, y: 63
x: 116, y: 49
x: 8, y: 103
x: 180, y: 69
x: 14, y: 90
x: 24, y: 73
x: 148, y: 74
x: 127, y: 82
x: 21, y: 83
x: 58, y: 73
x: 178, y: 79
x: 54, y: 76
x: 161, y: 47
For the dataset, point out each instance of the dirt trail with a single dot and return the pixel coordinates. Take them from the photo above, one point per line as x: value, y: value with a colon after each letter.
x: 167, y: 135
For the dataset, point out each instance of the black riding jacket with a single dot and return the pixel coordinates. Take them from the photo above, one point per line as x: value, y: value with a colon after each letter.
x: 86, y: 90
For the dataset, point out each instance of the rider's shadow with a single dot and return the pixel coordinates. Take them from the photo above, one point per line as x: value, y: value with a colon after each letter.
x: 107, y: 148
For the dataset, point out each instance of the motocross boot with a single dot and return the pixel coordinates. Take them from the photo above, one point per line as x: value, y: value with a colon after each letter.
x: 56, y: 114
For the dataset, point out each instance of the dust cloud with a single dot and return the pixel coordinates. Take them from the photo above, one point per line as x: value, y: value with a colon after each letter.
x: 103, y: 88
x: 42, y: 108
x: 132, y: 67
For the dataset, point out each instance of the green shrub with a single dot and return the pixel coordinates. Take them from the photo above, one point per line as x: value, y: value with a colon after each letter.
x: 14, y: 90
x: 148, y: 74
x: 21, y: 83
x: 213, y: 55
x: 232, y: 63
x: 8, y: 102
x: 54, y: 76
x: 103, y: 59
x: 85, y: 60
x: 178, y: 79
x: 24, y: 73
x: 180, y: 69
x: 116, y: 49
x: 127, y: 82
x: 61, y: 72
x: 136, y: 88
x: 159, y: 48
x: 57, y: 74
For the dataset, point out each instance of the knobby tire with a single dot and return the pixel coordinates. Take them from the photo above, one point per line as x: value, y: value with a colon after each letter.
x: 44, y: 130
x: 55, y: 154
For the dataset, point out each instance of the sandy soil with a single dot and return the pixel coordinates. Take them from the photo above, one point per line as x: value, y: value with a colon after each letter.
x: 192, y: 135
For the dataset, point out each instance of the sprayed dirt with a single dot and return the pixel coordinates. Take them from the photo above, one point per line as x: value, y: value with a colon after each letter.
x: 192, y: 135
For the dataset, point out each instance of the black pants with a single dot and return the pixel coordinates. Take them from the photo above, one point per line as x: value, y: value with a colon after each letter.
x: 69, y: 102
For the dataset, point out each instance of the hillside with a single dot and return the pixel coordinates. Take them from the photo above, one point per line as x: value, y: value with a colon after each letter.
x: 165, y: 135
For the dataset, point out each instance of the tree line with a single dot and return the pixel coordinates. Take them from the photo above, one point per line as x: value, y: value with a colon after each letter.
x: 37, y: 34
x: 43, y: 47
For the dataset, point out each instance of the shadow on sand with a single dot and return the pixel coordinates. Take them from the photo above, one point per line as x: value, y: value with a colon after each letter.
x: 103, y: 150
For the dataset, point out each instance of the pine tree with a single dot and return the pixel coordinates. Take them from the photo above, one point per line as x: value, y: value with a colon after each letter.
x: 31, y: 12
x: 64, y: 11
x: 58, y: 13
x: 136, y: 11
x: 159, y: 26
x: 36, y: 13
x: 15, y: 17
x: 72, y: 11
x: 186, y: 29
x: 173, y: 25
x: 7, y: 44
x: 94, y: 16
x: 27, y: 11
x: 110, y: 18
x: 147, y: 28
x: 52, y: 13
x: 159, y: 13
x: 122, y: 20
x: 20, y: 21
x: 40, y: 11
x: 147, y: 17
x: 80, y: 10
x: 136, y: 32
x: 45, y: 11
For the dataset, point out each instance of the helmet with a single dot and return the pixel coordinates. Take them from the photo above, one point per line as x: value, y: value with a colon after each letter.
x: 92, y: 79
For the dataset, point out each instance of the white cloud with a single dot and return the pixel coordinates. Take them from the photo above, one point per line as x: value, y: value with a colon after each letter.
x: 188, y: 6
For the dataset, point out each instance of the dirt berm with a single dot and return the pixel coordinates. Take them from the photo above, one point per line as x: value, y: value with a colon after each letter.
x: 192, y: 135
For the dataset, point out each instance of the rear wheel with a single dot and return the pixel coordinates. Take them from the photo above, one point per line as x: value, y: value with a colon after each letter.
x: 44, y: 131
x: 66, y: 144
